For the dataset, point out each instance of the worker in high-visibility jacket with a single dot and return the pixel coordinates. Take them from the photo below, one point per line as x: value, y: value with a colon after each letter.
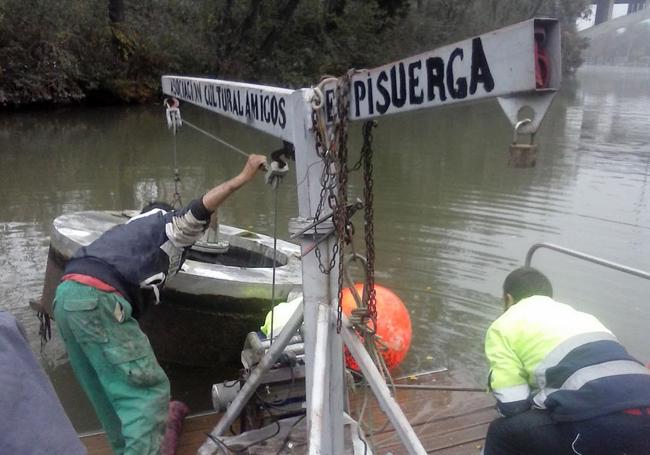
x: 562, y: 381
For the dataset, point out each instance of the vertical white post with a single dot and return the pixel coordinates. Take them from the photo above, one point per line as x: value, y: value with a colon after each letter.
x: 323, y: 348
x: 336, y: 370
x: 318, y: 398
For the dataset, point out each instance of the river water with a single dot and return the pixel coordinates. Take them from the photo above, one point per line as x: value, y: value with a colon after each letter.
x: 451, y: 219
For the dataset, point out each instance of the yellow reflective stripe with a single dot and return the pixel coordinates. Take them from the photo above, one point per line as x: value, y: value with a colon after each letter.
x: 593, y: 372
x: 510, y: 394
x: 528, y: 334
x: 561, y: 351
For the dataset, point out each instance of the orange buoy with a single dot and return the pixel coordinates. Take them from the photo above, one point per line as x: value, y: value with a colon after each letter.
x: 393, y: 325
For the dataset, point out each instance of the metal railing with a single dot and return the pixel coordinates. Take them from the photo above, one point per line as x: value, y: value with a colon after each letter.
x: 586, y: 257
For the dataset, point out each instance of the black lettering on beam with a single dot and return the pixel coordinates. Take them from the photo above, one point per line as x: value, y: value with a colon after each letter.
x: 457, y: 88
x: 274, y: 110
x: 480, y: 69
x: 398, y: 93
x: 359, y: 95
x: 255, y: 106
x: 282, y: 121
x: 235, y: 102
x: 414, y: 82
x: 371, y: 104
x: 436, y: 78
x: 196, y: 90
x: 383, y: 91
x: 329, y: 105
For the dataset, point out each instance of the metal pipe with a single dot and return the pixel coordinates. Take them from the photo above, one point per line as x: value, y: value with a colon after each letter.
x: 586, y: 257
x: 209, y: 447
x: 382, y: 393
x: 422, y: 373
x: 265, y: 344
x: 319, y: 385
x: 313, y: 246
x: 310, y: 226
x: 439, y: 387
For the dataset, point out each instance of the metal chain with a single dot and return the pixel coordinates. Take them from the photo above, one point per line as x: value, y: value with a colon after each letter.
x: 174, y: 121
x: 342, y: 224
x: 364, y: 317
x: 368, y: 217
x: 327, y: 181
x: 176, y: 199
x: 333, y: 151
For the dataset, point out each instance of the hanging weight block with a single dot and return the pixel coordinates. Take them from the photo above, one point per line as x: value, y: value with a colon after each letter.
x: 522, y: 156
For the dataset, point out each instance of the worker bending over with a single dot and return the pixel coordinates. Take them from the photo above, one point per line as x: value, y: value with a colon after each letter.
x: 100, y: 298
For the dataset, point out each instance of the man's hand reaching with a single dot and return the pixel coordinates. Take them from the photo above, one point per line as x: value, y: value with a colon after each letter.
x: 254, y: 164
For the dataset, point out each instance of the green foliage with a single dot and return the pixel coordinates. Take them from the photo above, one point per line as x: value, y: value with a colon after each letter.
x: 66, y: 51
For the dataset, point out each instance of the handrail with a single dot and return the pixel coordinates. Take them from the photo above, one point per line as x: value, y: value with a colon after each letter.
x: 586, y: 257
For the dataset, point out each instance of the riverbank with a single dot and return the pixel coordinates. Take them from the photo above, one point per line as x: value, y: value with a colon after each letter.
x: 73, y: 51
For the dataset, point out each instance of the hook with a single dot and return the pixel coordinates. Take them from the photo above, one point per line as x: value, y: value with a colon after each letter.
x: 173, y: 114
x: 518, y: 125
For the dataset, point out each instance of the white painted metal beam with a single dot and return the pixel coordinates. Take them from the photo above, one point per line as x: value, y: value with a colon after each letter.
x: 495, y: 64
x: 259, y: 106
x: 320, y: 386
x: 323, y: 348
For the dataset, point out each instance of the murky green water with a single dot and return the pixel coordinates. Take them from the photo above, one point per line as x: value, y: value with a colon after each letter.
x: 451, y: 218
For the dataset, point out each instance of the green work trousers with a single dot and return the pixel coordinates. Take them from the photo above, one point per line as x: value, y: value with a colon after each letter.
x: 115, y: 365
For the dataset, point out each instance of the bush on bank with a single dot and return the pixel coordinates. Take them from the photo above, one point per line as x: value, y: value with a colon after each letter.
x: 75, y: 50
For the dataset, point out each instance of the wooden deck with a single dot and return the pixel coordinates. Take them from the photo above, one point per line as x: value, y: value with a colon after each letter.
x: 447, y: 423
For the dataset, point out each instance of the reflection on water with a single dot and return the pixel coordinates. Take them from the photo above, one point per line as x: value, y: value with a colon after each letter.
x: 451, y: 219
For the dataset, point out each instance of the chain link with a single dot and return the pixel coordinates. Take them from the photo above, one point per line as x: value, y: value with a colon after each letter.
x: 342, y: 224
x: 177, y: 202
x: 368, y: 218
x: 327, y: 181
x: 333, y: 150
x: 174, y: 122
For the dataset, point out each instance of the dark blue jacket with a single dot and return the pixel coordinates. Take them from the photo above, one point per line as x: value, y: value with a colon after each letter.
x: 143, y: 252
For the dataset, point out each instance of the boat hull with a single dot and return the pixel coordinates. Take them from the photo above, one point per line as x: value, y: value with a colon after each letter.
x: 206, y: 309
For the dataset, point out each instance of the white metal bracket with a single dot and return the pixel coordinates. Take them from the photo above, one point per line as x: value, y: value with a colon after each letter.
x: 532, y: 107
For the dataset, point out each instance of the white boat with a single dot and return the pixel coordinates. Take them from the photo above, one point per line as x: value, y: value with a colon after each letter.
x: 217, y: 297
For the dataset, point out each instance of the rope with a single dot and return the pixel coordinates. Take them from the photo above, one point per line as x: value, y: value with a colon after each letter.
x: 174, y: 121
x: 275, y: 251
x: 176, y: 200
x: 174, y: 105
x: 234, y: 148
x: 219, y: 140
x: 275, y: 214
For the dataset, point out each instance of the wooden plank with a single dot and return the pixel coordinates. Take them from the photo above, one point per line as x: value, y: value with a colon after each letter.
x: 97, y: 444
x: 194, y: 433
x: 444, y: 433
x: 447, y: 423
x: 424, y: 406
